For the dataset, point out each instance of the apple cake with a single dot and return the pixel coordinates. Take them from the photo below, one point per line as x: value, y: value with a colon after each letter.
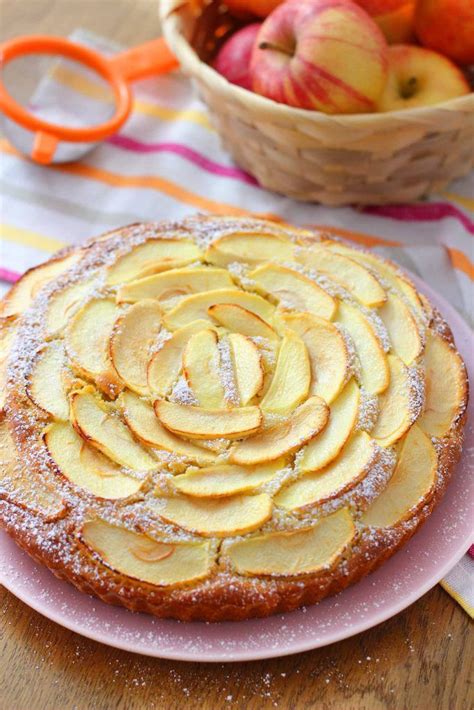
x: 222, y: 418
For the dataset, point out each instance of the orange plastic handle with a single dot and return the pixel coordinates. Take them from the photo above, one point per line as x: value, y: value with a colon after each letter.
x: 44, y: 147
x: 145, y: 60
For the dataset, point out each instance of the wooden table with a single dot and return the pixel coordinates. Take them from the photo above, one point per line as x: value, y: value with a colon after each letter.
x: 418, y: 660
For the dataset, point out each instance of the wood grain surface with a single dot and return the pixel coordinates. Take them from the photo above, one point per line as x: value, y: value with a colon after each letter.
x: 419, y: 660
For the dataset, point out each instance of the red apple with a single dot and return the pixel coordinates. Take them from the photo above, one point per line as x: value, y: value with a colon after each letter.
x: 233, y: 58
x: 420, y: 77
x: 327, y: 55
x: 247, y: 8
x: 448, y: 27
x: 396, y: 18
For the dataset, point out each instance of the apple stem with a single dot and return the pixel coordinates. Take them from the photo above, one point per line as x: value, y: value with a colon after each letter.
x: 276, y: 47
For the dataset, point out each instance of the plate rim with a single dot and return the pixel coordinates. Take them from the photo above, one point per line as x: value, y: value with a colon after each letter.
x: 299, y: 646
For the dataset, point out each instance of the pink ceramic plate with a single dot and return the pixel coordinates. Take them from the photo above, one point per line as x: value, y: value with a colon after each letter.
x: 402, y: 580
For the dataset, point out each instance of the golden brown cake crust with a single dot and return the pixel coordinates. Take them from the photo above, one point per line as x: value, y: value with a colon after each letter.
x: 44, y: 511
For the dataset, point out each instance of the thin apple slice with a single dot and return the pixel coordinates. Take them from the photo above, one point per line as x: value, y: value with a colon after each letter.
x: 47, y: 386
x: 159, y: 562
x: 20, y: 296
x: 200, y: 423
x: 135, y: 332
x: 152, y: 257
x: 196, y: 306
x: 85, y: 467
x: 175, y: 282
x: 239, y: 320
x: 166, y: 363
x: 8, y: 330
x: 291, y: 379
x: 142, y: 421
x: 248, y: 369
x: 104, y: 431
x: 24, y: 485
x: 445, y: 386
x: 342, y: 419
x: 402, y: 329
x: 87, y: 343
x: 64, y: 304
x: 399, y: 406
x: 340, y: 475
x: 285, y: 437
x: 375, y: 374
x: 225, y: 480
x: 346, y: 271
x: 294, y: 552
x: 389, y: 273
x: 327, y: 350
x: 294, y: 290
x: 219, y: 517
x: 202, y: 369
x: 251, y: 248
x: 410, y: 485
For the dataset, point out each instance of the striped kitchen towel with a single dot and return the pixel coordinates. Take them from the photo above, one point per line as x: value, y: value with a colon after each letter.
x: 167, y: 161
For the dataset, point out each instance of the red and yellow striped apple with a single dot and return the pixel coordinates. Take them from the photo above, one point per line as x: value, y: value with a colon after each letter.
x: 420, y: 77
x: 448, y: 27
x: 396, y: 18
x: 233, y: 58
x: 327, y: 55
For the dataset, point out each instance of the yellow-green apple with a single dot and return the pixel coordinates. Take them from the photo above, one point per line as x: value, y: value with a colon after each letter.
x: 396, y: 18
x: 448, y: 27
x: 420, y: 77
x: 246, y: 8
x: 233, y: 58
x: 327, y: 55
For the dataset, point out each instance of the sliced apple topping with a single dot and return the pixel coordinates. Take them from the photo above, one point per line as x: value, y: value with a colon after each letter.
x: 247, y: 363
x: 291, y: 379
x: 165, y: 364
x: 399, y: 405
x: 294, y: 290
x: 200, y: 423
x: 341, y: 474
x: 201, y: 368
x: 64, y: 304
x: 87, y: 343
x: 47, y: 386
x: 103, y: 430
x: 85, y: 467
x: 342, y: 419
x: 8, y: 329
x: 20, y: 296
x: 160, y: 562
x: 446, y: 386
x: 174, y: 283
x: 134, y: 334
x: 285, y: 437
x: 250, y: 248
x: 344, y: 270
x: 410, y: 485
x: 327, y: 350
x: 142, y: 421
x: 152, y: 257
x: 23, y: 485
x: 375, y: 374
x: 402, y: 329
x: 225, y: 480
x: 217, y: 517
x: 196, y: 306
x: 239, y: 320
x: 295, y: 552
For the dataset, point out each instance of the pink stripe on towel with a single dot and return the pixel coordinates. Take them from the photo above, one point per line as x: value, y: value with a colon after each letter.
x: 7, y: 275
x: 423, y: 212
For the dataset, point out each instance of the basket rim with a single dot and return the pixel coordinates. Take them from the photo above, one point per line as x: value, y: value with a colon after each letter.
x: 172, y: 29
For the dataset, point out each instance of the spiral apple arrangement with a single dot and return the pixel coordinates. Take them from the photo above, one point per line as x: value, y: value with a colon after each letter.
x: 351, y: 56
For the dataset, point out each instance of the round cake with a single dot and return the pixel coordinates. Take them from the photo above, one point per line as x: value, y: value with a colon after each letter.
x: 222, y: 418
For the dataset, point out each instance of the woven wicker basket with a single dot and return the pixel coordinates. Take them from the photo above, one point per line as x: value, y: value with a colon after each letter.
x: 363, y: 159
